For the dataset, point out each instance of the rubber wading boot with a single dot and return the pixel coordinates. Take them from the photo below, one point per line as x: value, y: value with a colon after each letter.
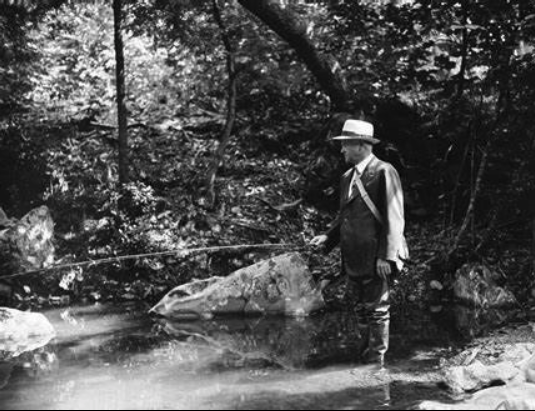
x: 378, y: 344
x: 364, y: 333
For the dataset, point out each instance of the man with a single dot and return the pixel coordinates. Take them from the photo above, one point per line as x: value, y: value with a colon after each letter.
x: 370, y: 230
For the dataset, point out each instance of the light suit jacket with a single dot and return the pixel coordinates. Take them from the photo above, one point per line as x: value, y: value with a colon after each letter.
x: 362, y: 238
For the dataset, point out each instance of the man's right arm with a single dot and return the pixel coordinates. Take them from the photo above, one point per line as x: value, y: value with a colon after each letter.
x: 333, y: 236
x: 330, y: 239
x: 328, y: 242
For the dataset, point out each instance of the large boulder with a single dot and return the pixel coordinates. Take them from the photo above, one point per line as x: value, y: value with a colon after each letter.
x: 22, y: 332
x: 476, y: 285
x: 278, y: 286
x: 26, y: 244
x: 478, y: 376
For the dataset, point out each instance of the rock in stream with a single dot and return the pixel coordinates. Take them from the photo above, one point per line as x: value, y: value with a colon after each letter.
x: 22, y: 332
x: 279, y: 286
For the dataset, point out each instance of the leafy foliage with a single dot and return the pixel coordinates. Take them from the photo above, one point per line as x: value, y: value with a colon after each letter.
x: 449, y: 85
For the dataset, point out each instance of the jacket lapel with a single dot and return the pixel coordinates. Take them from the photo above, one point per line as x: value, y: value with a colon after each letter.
x: 346, y: 181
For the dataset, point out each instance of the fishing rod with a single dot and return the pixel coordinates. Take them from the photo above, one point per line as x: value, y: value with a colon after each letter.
x: 186, y: 252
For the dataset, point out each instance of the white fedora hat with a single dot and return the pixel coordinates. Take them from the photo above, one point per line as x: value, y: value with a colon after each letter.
x: 358, y: 130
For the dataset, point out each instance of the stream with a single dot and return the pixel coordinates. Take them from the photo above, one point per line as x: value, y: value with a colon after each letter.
x: 117, y: 357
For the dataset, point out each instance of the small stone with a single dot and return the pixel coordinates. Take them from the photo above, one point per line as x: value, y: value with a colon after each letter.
x: 216, y: 229
x: 436, y: 285
x: 95, y: 296
x: 235, y: 210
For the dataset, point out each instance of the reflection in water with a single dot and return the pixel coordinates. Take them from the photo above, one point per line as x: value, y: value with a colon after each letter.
x: 473, y: 323
x: 467, y: 323
x: 10, y: 349
x: 281, y: 342
x: 120, y: 359
x: 27, y: 353
x: 6, y: 369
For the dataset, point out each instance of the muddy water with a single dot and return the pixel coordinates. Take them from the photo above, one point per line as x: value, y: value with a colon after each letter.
x: 118, y: 358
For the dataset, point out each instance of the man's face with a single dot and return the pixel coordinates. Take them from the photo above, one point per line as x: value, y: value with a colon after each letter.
x: 355, y: 151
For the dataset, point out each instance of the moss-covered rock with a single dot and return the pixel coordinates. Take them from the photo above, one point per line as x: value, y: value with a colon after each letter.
x: 27, y: 244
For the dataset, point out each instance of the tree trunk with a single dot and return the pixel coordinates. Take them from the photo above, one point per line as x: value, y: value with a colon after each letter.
x: 294, y: 31
x: 533, y: 247
x: 461, y: 82
x: 121, y: 93
x: 532, y: 171
x: 231, y: 106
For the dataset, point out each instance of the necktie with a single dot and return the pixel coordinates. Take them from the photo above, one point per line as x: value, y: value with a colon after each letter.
x: 353, y: 186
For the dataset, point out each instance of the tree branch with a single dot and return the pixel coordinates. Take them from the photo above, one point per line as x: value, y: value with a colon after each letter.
x: 294, y: 31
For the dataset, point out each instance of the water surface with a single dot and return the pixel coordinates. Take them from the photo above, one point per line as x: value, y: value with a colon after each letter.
x: 118, y: 358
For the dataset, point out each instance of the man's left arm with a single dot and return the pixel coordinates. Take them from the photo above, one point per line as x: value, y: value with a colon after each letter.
x: 391, y: 242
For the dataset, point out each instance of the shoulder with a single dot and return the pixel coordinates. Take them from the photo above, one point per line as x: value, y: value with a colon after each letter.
x: 388, y: 173
x: 383, y: 167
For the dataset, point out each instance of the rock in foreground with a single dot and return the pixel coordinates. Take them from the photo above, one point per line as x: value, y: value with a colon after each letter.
x: 517, y: 397
x: 279, y: 286
x: 478, y: 376
x: 516, y: 371
x: 21, y: 332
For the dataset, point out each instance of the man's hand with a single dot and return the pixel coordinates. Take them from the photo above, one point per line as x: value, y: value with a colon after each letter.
x: 384, y: 269
x: 319, y: 241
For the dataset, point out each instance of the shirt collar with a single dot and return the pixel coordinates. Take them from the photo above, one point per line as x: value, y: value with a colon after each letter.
x: 361, y: 167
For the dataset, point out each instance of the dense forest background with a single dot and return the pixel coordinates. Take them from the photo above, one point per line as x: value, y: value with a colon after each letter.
x: 223, y: 132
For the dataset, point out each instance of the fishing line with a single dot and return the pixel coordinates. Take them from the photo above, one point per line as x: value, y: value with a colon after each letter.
x: 185, y: 252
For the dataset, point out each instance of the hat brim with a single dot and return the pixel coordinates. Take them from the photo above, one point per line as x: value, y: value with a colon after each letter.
x: 366, y: 139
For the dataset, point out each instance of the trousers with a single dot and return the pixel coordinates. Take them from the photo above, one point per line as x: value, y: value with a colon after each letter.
x: 369, y: 299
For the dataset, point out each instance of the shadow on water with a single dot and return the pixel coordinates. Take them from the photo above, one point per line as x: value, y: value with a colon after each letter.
x: 119, y: 358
